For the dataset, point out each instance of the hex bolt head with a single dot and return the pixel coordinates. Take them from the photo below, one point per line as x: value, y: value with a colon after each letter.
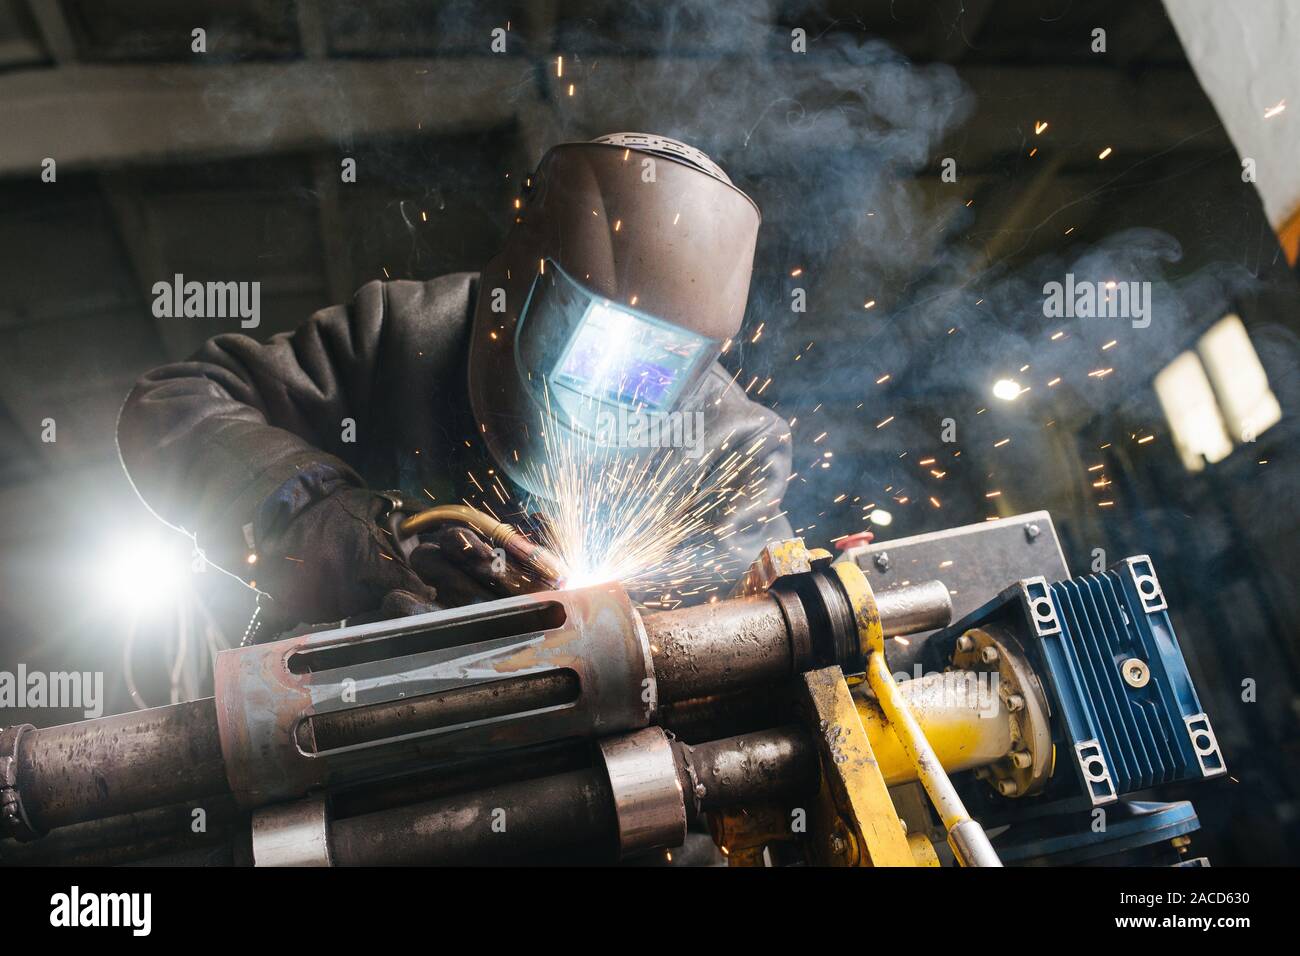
x: 1032, y: 531
x: 1021, y: 758
x: 965, y: 643
x: 882, y: 561
x: 989, y: 654
x: 1008, y: 788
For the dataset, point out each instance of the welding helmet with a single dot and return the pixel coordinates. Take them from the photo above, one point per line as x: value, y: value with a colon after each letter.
x: 625, y: 271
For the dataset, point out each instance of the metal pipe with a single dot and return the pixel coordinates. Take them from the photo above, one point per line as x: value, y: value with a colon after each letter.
x: 496, y: 825
x: 914, y: 608
x: 708, y: 648
x: 119, y: 764
x: 170, y: 755
x: 770, y: 765
x: 741, y: 642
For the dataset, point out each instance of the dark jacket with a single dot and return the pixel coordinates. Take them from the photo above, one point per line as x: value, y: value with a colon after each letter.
x: 209, y: 441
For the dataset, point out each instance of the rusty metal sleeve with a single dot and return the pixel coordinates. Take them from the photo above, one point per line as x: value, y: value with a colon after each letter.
x: 714, y: 647
x: 741, y: 642
x: 120, y: 764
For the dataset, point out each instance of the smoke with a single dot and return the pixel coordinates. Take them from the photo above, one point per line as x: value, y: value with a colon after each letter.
x: 909, y: 316
x: 907, y: 323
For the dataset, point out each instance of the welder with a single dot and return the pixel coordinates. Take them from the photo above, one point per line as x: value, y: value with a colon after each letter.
x: 632, y: 251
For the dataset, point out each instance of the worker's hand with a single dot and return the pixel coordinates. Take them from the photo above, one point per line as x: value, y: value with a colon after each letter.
x: 464, y: 569
x: 333, y: 561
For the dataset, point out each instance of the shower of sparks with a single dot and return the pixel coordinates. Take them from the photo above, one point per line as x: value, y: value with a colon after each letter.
x: 655, y: 520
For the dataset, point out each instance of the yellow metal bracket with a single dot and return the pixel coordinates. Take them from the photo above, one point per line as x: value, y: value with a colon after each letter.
x: 966, y: 837
x: 780, y: 559
x: 855, y: 823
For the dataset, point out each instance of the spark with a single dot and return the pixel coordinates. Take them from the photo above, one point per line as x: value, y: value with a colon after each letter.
x: 1007, y: 389
x: 655, y: 521
x: 1040, y: 127
x: 1104, y: 153
x: 1275, y: 109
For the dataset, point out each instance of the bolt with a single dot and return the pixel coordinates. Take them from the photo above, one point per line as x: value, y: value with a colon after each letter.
x: 965, y: 643
x: 1015, y: 703
x: 882, y: 561
x: 1032, y: 531
x: 1008, y: 788
x: 989, y: 654
x: 1022, y: 758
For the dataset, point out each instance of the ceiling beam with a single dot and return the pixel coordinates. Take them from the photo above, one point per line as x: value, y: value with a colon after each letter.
x: 91, y: 116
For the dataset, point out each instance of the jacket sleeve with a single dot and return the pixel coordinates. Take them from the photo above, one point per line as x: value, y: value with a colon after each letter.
x: 208, y: 442
x: 755, y: 480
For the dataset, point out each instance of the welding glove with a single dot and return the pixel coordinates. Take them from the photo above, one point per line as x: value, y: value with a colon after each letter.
x: 331, y: 560
x: 464, y: 569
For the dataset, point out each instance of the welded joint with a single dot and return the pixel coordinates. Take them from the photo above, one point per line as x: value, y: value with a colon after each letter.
x: 14, y: 821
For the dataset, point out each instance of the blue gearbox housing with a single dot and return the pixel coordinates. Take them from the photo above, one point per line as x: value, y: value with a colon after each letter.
x: 1123, y: 710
